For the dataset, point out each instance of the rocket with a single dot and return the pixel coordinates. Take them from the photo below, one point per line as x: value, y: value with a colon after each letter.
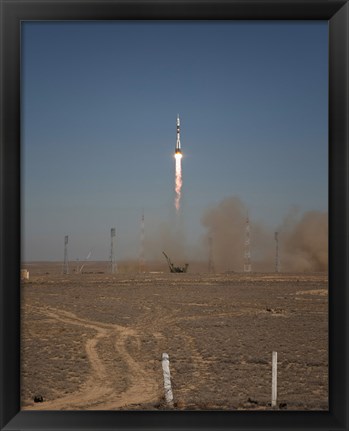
x: 178, y: 143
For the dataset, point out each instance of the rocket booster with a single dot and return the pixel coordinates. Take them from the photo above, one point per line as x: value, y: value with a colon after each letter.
x: 178, y: 142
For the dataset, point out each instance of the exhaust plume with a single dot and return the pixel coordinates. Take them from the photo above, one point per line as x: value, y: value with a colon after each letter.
x: 178, y: 180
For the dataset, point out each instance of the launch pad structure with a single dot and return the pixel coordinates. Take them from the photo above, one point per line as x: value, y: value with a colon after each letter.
x: 175, y: 268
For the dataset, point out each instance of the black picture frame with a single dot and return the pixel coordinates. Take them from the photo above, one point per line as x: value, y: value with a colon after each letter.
x: 12, y: 13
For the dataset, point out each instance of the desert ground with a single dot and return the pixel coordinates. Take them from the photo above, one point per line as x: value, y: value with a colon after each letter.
x: 94, y: 341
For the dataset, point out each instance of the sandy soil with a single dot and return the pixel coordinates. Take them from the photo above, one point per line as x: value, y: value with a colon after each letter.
x: 95, y: 341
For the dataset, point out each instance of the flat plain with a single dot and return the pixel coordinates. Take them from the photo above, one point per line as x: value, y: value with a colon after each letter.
x: 94, y: 341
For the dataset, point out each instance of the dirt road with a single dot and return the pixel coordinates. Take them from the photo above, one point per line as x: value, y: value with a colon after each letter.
x: 95, y: 341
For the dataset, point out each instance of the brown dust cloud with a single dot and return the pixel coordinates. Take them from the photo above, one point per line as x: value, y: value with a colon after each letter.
x: 303, y: 239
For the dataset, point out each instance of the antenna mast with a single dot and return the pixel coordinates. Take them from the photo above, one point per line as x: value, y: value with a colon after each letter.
x: 65, y: 263
x: 113, y: 267
x: 141, y: 251
x: 277, y: 259
x: 247, y: 260
x: 210, y: 256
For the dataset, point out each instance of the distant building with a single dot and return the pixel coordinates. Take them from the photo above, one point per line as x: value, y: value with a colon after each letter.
x: 24, y: 274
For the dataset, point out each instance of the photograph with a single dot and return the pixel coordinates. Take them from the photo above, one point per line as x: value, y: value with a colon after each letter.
x: 174, y: 215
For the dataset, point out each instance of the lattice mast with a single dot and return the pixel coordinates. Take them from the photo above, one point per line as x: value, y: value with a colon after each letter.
x: 65, y: 262
x: 247, y: 257
x: 277, y: 257
x: 141, y: 249
x: 113, y: 266
x: 210, y: 255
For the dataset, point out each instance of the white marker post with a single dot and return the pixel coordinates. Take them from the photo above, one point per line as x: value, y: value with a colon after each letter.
x: 274, y: 379
x: 167, y: 378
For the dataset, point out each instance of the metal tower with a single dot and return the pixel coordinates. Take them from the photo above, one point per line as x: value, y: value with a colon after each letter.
x: 113, y: 266
x: 65, y: 263
x: 247, y: 259
x: 277, y: 260
x: 210, y: 256
x: 141, y: 250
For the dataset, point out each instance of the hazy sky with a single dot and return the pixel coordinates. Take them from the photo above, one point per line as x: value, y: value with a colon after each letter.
x: 99, y: 108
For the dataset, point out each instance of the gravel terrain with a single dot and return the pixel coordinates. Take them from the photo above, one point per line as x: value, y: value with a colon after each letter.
x: 95, y: 340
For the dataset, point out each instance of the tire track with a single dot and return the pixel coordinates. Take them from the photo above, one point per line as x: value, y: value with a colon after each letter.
x: 97, y: 393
